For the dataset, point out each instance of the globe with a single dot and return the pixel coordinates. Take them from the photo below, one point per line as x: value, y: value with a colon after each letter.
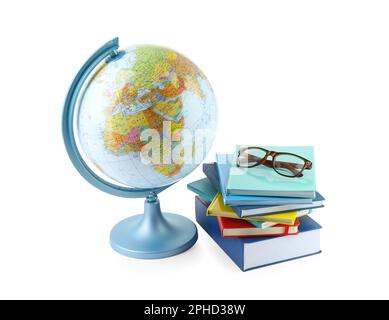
x: 136, y: 121
x: 146, y: 119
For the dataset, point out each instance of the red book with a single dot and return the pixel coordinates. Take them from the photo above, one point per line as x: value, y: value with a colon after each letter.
x: 234, y: 228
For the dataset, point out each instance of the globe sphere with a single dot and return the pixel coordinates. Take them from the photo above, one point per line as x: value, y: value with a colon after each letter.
x: 146, y: 118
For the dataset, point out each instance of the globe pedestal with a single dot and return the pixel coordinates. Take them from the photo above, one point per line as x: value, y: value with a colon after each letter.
x: 153, y: 235
x: 111, y: 102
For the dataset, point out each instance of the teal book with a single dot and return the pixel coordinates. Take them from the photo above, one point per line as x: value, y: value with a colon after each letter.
x: 203, y: 188
x: 264, y: 181
x: 262, y: 224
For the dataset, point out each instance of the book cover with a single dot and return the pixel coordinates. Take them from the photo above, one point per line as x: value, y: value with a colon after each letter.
x: 219, y: 182
x: 203, y: 188
x: 248, y: 211
x: 215, y: 209
x: 264, y: 181
x: 219, y: 209
x: 232, y: 228
x: 251, y: 253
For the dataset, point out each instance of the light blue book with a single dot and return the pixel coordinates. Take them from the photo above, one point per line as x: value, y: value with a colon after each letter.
x: 223, y: 169
x: 264, y: 181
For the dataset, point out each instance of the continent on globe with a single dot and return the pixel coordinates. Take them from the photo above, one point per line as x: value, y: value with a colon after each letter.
x: 156, y: 82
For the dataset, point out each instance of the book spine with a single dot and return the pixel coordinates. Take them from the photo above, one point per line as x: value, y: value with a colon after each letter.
x: 211, y: 177
x: 233, y: 247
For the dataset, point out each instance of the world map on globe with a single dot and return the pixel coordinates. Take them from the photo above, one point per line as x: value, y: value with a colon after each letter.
x: 146, y: 87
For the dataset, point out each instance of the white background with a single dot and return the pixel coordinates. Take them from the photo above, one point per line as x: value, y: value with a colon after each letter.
x: 284, y: 73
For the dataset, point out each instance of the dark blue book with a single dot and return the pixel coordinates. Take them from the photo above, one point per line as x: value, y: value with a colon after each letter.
x: 255, y: 252
x: 250, y: 211
x: 254, y: 205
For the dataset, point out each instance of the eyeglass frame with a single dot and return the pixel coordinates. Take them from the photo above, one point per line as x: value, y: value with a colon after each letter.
x: 271, y: 164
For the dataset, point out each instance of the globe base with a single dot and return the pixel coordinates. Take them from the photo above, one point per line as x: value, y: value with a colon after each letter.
x: 153, y: 235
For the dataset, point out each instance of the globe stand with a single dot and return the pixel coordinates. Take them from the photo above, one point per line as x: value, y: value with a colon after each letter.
x: 153, y: 234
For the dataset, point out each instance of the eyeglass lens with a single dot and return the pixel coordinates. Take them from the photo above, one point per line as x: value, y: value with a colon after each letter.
x: 251, y: 157
x: 288, y: 165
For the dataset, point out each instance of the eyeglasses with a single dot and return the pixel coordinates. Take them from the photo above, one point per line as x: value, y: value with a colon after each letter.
x: 286, y: 164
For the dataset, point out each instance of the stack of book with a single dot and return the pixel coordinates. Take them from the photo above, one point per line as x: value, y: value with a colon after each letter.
x: 257, y: 216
